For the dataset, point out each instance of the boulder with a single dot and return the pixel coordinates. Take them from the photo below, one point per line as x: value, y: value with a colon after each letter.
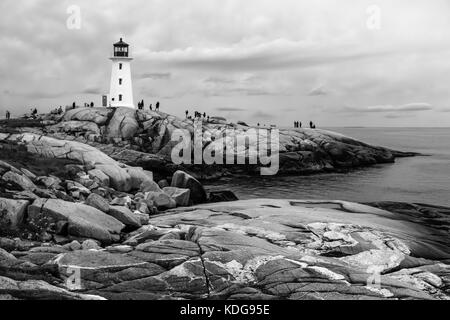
x: 119, y: 177
x: 98, y: 116
x: 121, y: 201
x: 181, y: 196
x: 52, y: 148
x: 123, y: 124
x: 72, y: 246
x: 163, y: 183
x: 49, y: 182
x: 183, y: 180
x: 79, y: 220
x: 19, y: 180
x: 90, y: 244
x: 101, y: 178
x: 12, y: 213
x: 96, y: 201
x: 139, y: 176
x: 150, y: 186
x: 124, y: 215
x: 161, y: 200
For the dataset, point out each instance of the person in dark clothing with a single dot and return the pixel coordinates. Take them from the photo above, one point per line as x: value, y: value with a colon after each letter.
x: 311, y: 124
x: 35, y: 111
x: 187, y: 113
x: 204, y: 114
x: 151, y: 107
x: 8, y: 115
x: 157, y: 106
x: 300, y: 124
x: 295, y: 124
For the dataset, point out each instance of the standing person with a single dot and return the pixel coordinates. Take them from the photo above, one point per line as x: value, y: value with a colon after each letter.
x: 142, y: 104
x: 204, y: 114
x: 295, y: 124
x: 151, y: 107
x: 187, y: 113
x: 74, y: 105
x: 300, y: 124
x: 157, y: 106
x: 8, y: 115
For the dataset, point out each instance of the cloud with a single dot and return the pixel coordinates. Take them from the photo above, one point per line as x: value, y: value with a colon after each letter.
x: 233, y: 109
x: 262, y: 115
x: 411, y: 107
x: 254, y: 53
x: 318, y: 91
x: 155, y: 76
x: 219, y: 80
x: 96, y: 90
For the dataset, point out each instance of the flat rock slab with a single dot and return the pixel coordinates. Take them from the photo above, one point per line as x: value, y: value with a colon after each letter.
x: 82, y: 220
x: 268, y: 249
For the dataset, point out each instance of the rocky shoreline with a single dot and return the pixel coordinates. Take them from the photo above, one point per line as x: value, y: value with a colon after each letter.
x: 143, y: 139
x: 83, y: 217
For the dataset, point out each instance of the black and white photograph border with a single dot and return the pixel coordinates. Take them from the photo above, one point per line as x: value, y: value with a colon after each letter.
x: 251, y: 150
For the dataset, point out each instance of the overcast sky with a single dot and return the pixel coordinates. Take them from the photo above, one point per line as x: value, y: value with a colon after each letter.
x: 254, y: 60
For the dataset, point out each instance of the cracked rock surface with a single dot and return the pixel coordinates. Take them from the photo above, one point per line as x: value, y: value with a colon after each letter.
x: 256, y: 249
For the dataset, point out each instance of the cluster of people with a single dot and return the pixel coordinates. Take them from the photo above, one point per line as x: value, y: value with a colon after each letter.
x: 141, y: 106
x: 298, y: 124
x: 86, y: 105
x: 197, y: 115
x: 58, y: 110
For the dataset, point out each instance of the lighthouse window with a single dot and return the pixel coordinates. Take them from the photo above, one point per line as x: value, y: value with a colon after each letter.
x: 120, y: 97
x: 120, y: 66
x: 120, y: 82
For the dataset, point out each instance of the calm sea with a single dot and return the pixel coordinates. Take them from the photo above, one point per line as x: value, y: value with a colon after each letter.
x: 419, y: 179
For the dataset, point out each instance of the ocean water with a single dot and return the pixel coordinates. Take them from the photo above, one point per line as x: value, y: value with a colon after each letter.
x: 422, y: 179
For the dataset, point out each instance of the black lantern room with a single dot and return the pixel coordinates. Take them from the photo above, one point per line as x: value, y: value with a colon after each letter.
x: 121, y: 49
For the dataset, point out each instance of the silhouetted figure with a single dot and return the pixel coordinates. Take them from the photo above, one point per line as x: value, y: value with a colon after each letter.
x: 157, y: 106
x: 74, y: 105
x: 187, y: 113
x: 151, y: 107
x: 8, y: 115
x: 92, y: 104
x: 142, y: 104
x: 204, y: 114
x: 311, y: 124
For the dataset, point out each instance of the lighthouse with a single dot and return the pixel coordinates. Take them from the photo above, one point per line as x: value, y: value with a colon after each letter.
x: 121, y: 89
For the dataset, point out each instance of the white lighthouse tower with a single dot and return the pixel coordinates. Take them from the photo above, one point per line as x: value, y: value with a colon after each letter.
x: 121, y: 89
